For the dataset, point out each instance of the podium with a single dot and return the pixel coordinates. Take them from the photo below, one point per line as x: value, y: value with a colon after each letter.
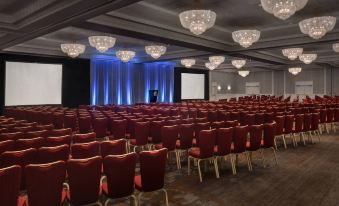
x: 153, y: 95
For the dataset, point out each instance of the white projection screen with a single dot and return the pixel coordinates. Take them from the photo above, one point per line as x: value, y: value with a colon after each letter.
x: 33, y: 84
x: 192, y: 86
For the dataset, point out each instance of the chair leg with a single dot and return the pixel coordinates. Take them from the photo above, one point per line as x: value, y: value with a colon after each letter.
x: 234, y: 169
x: 284, y: 141
x: 215, y: 161
x: 107, y: 201
x: 166, y: 195
x: 275, y: 143
x: 189, y: 165
x: 139, y: 198
x: 199, y: 170
x: 178, y: 159
x: 311, y: 137
x: 248, y: 161
x: 135, y: 202
x: 318, y: 133
x: 262, y: 157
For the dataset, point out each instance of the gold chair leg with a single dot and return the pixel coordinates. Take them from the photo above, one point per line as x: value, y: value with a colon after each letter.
x: 215, y: 160
x: 189, y: 165
x: 284, y: 141
x: 275, y: 144
x: 199, y: 170
x: 234, y: 170
x: 139, y: 198
x: 275, y: 156
x: 248, y: 161
x: 178, y: 152
x: 134, y: 200
x: 262, y: 157
x: 166, y: 196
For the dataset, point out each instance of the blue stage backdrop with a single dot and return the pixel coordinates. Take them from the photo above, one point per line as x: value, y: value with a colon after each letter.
x: 114, y: 82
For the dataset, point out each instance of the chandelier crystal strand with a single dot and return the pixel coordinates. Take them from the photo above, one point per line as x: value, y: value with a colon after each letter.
x: 246, y: 37
x: 238, y: 63
x: 73, y: 50
x: 317, y: 27
x: 155, y: 51
x: 211, y: 66
x: 292, y: 53
x: 283, y: 9
x: 125, y: 55
x: 308, y: 58
x: 217, y: 60
x: 197, y: 21
x: 188, y: 63
x: 336, y: 47
x: 101, y: 43
x: 244, y: 73
x: 294, y: 70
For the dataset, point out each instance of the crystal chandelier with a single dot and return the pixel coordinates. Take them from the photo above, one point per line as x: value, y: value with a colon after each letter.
x: 317, y: 27
x: 307, y: 58
x: 125, y: 55
x: 155, y: 50
x: 244, y: 73
x: 294, y: 70
x: 336, y: 47
x: 210, y: 65
x: 283, y: 9
x: 238, y: 63
x: 73, y: 50
x: 197, y: 21
x: 217, y: 60
x: 188, y: 62
x: 101, y: 43
x: 292, y: 53
x: 246, y: 37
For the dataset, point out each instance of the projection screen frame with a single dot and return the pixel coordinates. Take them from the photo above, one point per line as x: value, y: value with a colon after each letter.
x: 32, y: 62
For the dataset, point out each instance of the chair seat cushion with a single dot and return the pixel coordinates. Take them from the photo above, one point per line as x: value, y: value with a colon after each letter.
x: 137, y: 182
x: 104, y: 188
x: 194, y: 152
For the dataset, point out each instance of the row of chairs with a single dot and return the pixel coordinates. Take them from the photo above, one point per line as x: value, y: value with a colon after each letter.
x: 47, y: 184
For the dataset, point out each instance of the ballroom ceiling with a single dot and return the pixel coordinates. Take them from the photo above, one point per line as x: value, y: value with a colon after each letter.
x: 40, y: 26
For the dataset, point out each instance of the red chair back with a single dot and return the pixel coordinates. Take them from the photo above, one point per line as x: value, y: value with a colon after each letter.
x: 269, y: 134
x: 120, y: 172
x: 315, y: 121
x: 70, y: 121
x: 207, y: 139
x: 152, y: 169
x: 85, y: 124
x: 84, y: 138
x: 11, y: 136
x: 299, y: 122
x: 58, y: 120
x: 259, y: 118
x: 85, y: 150
x: 60, y: 132
x: 141, y: 132
x: 84, y: 180
x: 249, y: 119
x: 36, y: 143
x: 33, y: 134
x: 57, y: 141
x: 119, y: 128
x: 45, y: 183
x: 289, y: 121
x: 155, y: 131
x: 323, y: 115
x: 199, y: 127
x: 7, y: 145
x: 186, y: 135
x: 169, y: 136
x: 256, y: 133
x: 100, y: 127
x: 53, y: 154
x: 280, y: 120
x: 10, y: 178
x: 231, y: 123
x: 217, y: 125
x: 115, y: 147
x: 307, y: 122
x: 240, y: 138
x: 224, y: 141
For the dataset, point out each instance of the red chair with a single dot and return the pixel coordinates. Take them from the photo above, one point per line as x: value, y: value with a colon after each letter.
x: 47, y: 127
x: 250, y: 119
x: 199, y: 127
x: 200, y: 120
x: 231, y: 123
x: 120, y: 172
x: 298, y: 128
x: 36, y: 143
x: 217, y: 125
x: 7, y: 145
x: 330, y: 119
x: 336, y: 119
x: 21, y: 158
x: 22, y: 129
x: 85, y: 150
x: 288, y: 129
x: 169, y: 135
x: 60, y: 132
x: 113, y: 147
x: 45, y: 183
x: 84, y: 138
x: 280, y: 120
x: 152, y: 172
x: 259, y: 118
x: 322, y: 123
x: 53, y: 154
x: 40, y: 133
x: 269, y: 117
x: 100, y: 127
x: 204, y: 152
x: 84, y: 180
x: 119, y: 129
x: 212, y: 116
x: 269, y: 140
x: 85, y: 124
x: 307, y: 127
x: 11, y: 136
x: 185, y: 141
x: 239, y: 142
x: 10, y: 178
x: 315, y: 124
x: 223, y: 146
x: 58, y: 120
x: 141, y: 134
x: 70, y: 121
x: 254, y: 143
x: 57, y: 141
x: 155, y: 131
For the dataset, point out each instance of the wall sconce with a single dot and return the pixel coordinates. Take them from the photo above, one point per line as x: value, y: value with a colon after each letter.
x: 229, y: 87
x: 219, y: 88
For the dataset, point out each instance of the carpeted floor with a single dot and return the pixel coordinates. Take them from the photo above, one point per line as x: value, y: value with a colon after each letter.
x: 306, y: 175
